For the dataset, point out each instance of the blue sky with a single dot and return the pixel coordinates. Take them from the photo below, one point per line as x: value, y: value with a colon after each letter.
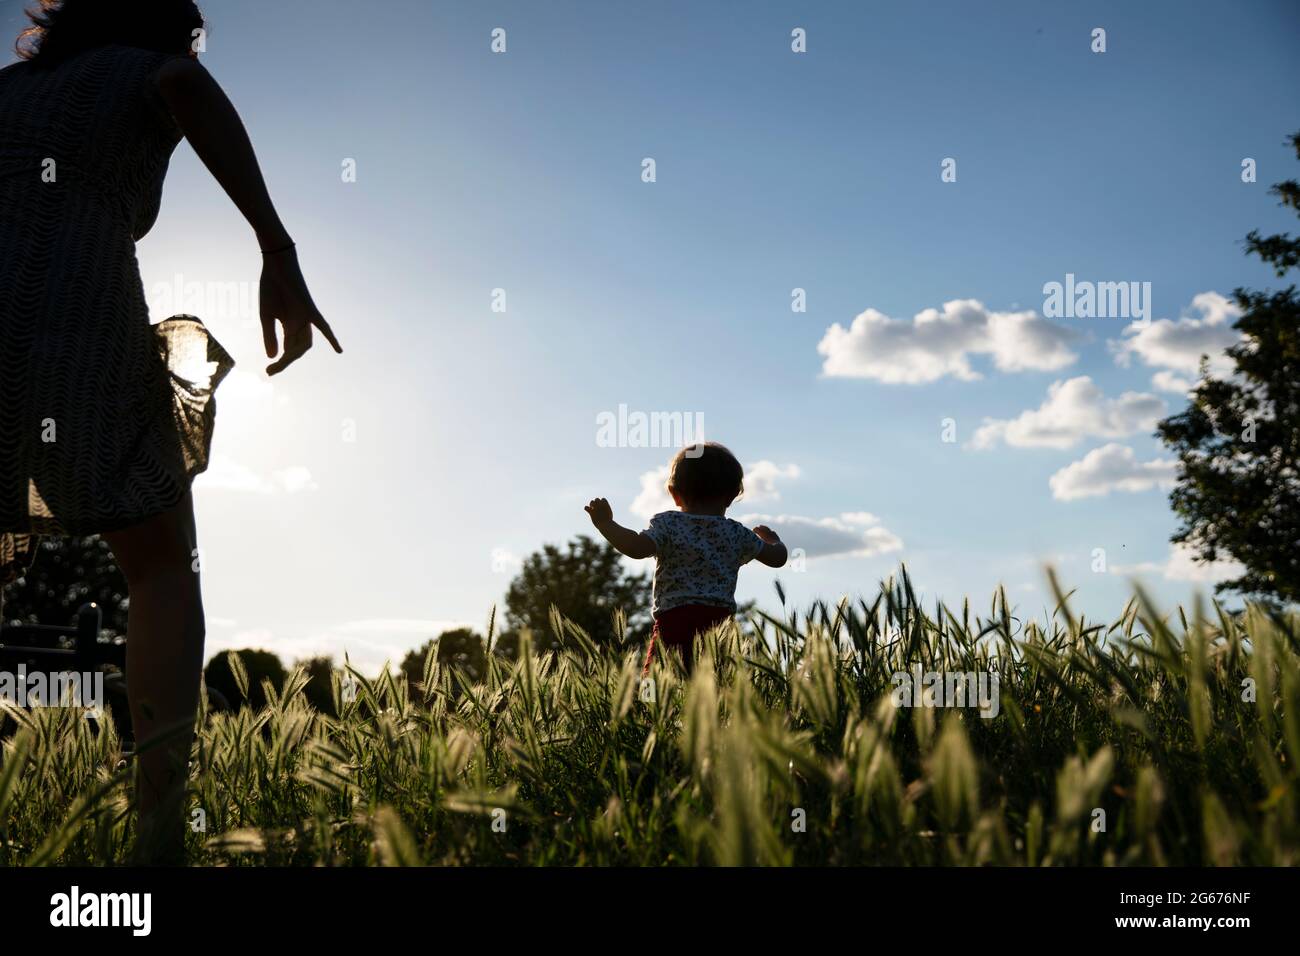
x: 358, y: 502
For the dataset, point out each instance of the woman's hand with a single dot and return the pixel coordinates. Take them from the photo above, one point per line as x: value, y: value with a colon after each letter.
x: 284, y: 297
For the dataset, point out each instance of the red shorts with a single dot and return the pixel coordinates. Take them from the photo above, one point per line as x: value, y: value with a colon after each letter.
x: 676, y: 629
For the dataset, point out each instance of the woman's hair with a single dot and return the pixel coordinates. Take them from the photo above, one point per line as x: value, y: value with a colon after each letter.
x: 706, y: 473
x: 64, y: 28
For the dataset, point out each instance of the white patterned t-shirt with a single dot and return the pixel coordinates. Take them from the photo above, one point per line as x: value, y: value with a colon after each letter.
x: 697, y: 558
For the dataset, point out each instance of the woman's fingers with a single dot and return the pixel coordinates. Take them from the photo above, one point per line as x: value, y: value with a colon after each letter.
x: 268, y: 335
x: 285, y: 297
x: 320, y: 323
x: 296, y: 344
x: 297, y: 338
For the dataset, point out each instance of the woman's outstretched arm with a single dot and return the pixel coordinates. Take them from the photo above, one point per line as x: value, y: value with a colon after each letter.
x: 215, y: 131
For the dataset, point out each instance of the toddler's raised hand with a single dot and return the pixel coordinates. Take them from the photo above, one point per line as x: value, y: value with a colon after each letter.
x: 600, y: 511
x: 767, y: 534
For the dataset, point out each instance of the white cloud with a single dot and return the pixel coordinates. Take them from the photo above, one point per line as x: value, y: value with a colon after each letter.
x: 294, y: 479
x: 244, y: 397
x: 1178, y: 346
x: 249, y: 639
x: 940, y: 342
x: 761, y: 480
x: 856, y: 534
x: 653, y: 497
x: 1168, y: 381
x: 760, y: 486
x: 505, y: 561
x: 1184, y: 565
x: 1112, y: 467
x: 226, y: 474
x: 367, y: 643
x: 1075, y: 409
x: 398, y: 625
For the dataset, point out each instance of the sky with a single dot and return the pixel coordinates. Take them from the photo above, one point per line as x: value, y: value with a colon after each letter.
x: 837, y: 260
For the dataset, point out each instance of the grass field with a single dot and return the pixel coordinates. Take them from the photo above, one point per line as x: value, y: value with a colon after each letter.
x: 1135, y: 742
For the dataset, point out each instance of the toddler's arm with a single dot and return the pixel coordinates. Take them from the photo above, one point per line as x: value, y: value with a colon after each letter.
x: 774, y: 551
x: 634, y: 544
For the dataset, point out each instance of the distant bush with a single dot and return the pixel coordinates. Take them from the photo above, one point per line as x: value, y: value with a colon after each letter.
x: 259, y: 666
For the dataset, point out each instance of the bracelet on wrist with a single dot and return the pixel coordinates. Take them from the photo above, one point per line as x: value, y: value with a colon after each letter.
x: 275, y: 252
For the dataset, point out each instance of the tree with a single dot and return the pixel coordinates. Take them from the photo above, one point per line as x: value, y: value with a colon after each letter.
x: 506, y: 645
x: 413, y: 662
x: 1238, y: 442
x: 460, y: 648
x: 67, y: 573
x: 319, y: 690
x: 588, y: 582
x: 258, y: 665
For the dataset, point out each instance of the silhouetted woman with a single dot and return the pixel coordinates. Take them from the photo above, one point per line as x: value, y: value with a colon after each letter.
x: 104, y: 419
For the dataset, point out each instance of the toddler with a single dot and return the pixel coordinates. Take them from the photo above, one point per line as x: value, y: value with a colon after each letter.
x: 697, y: 549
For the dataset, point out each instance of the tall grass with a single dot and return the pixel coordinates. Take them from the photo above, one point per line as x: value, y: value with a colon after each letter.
x: 1131, y: 743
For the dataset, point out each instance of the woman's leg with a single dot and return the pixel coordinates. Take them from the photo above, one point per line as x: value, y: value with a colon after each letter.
x: 164, y: 663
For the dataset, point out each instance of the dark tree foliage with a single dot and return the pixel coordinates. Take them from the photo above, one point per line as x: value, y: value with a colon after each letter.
x: 67, y: 573
x: 1238, y: 442
x: 588, y: 582
x: 506, y: 645
x: 413, y: 663
x: 258, y: 664
x: 319, y: 691
x: 460, y: 648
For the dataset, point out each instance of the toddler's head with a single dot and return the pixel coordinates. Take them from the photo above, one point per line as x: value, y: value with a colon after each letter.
x: 705, y: 477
